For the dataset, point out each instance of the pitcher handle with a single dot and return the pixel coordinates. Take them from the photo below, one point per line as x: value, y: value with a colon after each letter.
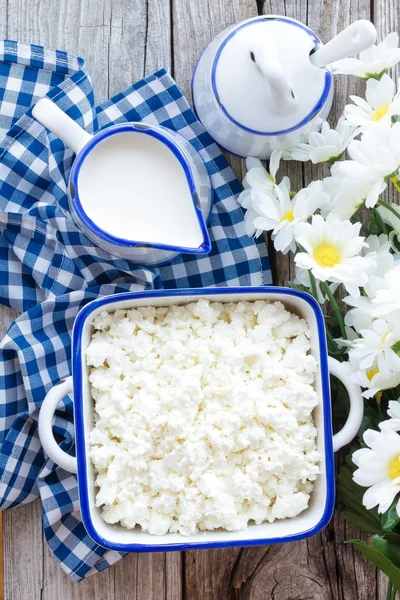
x: 356, y: 413
x: 53, y: 118
x: 45, y: 426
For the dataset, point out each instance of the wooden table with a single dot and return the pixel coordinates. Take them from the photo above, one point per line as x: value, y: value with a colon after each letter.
x: 123, y: 40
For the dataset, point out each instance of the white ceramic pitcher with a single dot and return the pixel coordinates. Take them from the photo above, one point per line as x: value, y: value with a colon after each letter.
x: 138, y: 191
x: 267, y: 77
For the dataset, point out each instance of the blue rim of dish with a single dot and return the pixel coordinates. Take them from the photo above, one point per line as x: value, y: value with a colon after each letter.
x: 323, y: 98
x: 80, y: 429
x: 146, y: 129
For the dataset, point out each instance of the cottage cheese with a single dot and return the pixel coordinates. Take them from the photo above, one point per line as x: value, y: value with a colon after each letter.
x: 203, y: 416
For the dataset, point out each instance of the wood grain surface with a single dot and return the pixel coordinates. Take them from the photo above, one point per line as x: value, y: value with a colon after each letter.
x: 122, y: 40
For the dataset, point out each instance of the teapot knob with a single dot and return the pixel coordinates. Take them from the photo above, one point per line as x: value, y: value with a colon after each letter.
x: 279, y: 86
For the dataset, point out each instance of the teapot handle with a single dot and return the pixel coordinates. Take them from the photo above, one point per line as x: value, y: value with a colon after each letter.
x: 357, y: 37
x: 55, y: 119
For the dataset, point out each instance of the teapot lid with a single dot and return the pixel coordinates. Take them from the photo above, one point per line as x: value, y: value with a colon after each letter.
x: 263, y: 79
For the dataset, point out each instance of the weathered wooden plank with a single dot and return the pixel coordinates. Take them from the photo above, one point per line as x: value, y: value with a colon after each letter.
x: 195, y: 24
x: 20, y: 526
x: 23, y: 552
x: 208, y: 573
x: 121, y: 41
x: 1, y: 559
x: 150, y: 576
x: 8, y: 547
x: 387, y: 19
x: 355, y: 577
x: 307, y: 569
x: 57, y: 585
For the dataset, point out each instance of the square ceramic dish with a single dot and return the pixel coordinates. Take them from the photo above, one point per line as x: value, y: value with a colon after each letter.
x: 116, y: 537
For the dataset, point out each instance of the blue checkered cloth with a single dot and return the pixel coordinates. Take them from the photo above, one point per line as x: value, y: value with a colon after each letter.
x: 49, y: 269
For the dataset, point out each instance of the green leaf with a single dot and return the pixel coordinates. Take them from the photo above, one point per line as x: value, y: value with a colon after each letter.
x: 373, y: 415
x: 340, y: 400
x: 377, y: 76
x: 364, y: 522
x: 351, y: 495
x: 390, y: 519
x: 389, y: 546
x: 393, y: 538
x: 380, y: 560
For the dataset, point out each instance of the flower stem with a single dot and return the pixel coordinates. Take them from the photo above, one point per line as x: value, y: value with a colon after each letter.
x: 333, y: 348
x: 379, y: 218
x: 336, y: 308
x: 391, y: 591
x: 313, y: 285
x: 388, y: 207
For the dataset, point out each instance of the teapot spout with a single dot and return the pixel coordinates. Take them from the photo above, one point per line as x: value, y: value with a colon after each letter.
x: 279, y: 86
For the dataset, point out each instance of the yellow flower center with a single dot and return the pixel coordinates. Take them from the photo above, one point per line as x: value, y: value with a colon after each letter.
x: 396, y: 182
x: 380, y: 112
x: 326, y: 255
x: 371, y: 374
x: 288, y: 216
x: 384, y: 337
x: 394, y: 467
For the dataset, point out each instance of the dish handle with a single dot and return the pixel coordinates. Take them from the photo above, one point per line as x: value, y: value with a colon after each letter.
x: 356, y: 413
x: 45, y: 426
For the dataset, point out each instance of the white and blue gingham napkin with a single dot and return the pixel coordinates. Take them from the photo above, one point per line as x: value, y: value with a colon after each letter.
x: 49, y: 269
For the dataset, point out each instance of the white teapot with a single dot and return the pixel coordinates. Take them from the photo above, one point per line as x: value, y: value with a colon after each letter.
x: 267, y: 77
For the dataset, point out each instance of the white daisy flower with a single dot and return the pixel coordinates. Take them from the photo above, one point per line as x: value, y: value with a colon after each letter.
x: 276, y: 211
x: 360, y: 316
x: 373, y: 380
x: 380, y: 105
x: 387, y: 297
x: 382, y: 246
x: 257, y: 177
x: 372, y: 62
x: 247, y: 200
x: 347, y: 196
x: 379, y: 469
x: 391, y: 219
x: 288, y: 141
x: 375, y: 160
x: 257, y: 182
x: 327, y: 145
x: 332, y: 252
x: 377, y: 344
x: 394, y: 414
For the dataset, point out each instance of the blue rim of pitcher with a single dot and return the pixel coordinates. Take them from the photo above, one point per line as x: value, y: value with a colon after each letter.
x: 322, y: 100
x: 81, y: 440
x: 146, y: 129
